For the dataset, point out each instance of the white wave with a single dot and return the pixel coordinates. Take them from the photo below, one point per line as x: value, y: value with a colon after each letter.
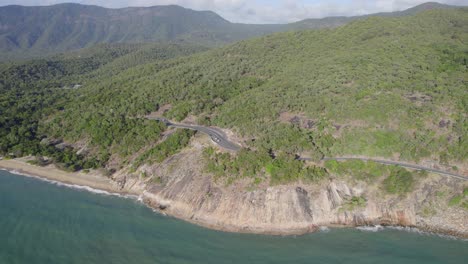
x: 421, y: 232
x: 75, y: 186
x: 156, y: 211
x: 324, y: 229
x: 375, y: 228
x: 415, y: 230
x: 407, y: 229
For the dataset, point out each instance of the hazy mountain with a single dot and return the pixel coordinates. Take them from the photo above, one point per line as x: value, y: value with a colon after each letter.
x: 29, y: 31
x: 64, y: 27
x: 341, y: 20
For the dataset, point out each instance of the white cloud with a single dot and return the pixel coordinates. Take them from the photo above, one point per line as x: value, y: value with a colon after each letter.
x: 262, y: 11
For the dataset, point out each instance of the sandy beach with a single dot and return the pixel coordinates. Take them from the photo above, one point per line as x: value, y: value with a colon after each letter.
x: 50, y: 172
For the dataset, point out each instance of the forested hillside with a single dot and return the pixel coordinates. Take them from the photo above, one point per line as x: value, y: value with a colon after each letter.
x: 379, y: 87
x: 33, y: 31
x: 33, y: 90
x: 69, y: 69
x: 37, y: 31
x: 330, y: 22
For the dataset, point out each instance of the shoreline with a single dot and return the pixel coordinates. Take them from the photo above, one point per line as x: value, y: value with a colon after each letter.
x: 52, y: 173
x: 94, y: 182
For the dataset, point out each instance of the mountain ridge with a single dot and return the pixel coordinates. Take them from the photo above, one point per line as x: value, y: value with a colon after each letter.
x: 341, y: 20
x: 36, y: 31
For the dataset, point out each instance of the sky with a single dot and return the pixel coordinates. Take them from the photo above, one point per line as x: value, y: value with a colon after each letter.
x: 261, y: 11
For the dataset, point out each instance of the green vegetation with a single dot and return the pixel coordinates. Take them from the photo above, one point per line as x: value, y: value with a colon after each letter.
x: 284, y: 169
x: 374, y: 87
x: 354, y: 203
x: 35, y: 31
x: 358, y: 169
x: 254, y: 164
x: 397, y: 179
x: 400, y: 181
x: 32, y: 31
x: 460, y: 199
x: 455, y: 200
x: 20, y: 113
x: 381, y: 98
x: 170, y: 146
x: 33, y: 91
x: 70, y: 70
x: 69, y: 160
x: 428, y: 211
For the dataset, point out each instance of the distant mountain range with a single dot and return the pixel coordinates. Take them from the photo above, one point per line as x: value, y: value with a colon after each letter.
x: 36, y: 31
x: 339, y: 21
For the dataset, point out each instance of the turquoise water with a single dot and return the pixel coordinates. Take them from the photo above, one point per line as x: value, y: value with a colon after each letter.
x: 45, y: 223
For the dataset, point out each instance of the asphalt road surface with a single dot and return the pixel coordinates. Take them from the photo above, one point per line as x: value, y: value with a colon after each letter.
x: 401, y: 164
x: 220, y: 138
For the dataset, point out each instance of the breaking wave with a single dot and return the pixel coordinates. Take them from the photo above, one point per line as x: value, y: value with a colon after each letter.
x: 370, y: 228
x: 378, y: 228
x: 324, y: 229
x: 75, y: 186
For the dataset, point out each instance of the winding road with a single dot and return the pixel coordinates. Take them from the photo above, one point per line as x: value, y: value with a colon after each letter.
x: 220, y: 138
x: 401, y: 164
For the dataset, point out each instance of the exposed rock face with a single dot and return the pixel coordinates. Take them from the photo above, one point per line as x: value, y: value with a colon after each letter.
x: 188, y: 193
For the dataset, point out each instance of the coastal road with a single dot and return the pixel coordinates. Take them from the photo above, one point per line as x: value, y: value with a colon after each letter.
x: 220, y: 138
x: 397, y: 163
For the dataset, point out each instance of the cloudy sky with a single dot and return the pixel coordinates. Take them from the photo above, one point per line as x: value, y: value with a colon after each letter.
x: 261, y: 11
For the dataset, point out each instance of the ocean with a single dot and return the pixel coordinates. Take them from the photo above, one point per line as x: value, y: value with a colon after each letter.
x: 46, y: 223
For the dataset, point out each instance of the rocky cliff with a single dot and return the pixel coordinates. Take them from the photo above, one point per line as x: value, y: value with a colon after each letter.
x: 179, y: 187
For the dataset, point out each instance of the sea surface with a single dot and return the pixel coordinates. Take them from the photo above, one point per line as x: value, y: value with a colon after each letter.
x: 42, y: 222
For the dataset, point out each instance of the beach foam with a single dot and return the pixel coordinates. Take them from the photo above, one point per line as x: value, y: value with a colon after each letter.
x: 324, y: 229
x: 74, y: 186
x: 370, y: 228
x: 421, y: 232
x: 379, y: 228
